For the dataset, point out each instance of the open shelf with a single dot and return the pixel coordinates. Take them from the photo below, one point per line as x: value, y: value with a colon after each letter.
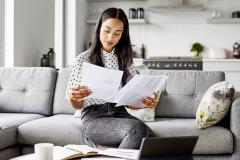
x: 112, y: 0
x: 131, y: 21
x: 137, y: 21
x: 182, y: 8
x: 223, y: 20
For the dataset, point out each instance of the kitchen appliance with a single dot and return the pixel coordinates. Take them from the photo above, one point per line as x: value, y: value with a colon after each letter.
x: 140, y: 13
x: 236, y: 50
x: 216, y: 14
x: 236, y: 14
x: 217, y: 53
x: 132, y: 13
x: 174, y: 63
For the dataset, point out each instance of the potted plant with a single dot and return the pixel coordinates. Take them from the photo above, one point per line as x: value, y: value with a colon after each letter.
x: 197, y: 48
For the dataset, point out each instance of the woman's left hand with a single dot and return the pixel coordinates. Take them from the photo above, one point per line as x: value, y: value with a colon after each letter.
x: 151, y: 102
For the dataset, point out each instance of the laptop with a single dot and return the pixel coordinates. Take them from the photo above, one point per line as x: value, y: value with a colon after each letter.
x: 167, y: 148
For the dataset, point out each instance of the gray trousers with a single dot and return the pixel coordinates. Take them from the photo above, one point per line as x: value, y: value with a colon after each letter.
x: 107, y: 125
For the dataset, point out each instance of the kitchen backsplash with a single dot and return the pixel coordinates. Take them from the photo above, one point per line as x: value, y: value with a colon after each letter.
x: 176, y: 40
x: 171, y: 33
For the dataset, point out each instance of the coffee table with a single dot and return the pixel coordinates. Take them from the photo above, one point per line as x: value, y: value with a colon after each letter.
x: 32, y: 157
x: 25, y: 157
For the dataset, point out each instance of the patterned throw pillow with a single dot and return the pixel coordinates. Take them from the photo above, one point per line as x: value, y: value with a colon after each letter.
x: 145, y: 114
x: 214, y: 104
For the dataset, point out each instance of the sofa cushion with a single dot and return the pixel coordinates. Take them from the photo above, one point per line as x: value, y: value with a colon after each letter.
x: 145, y: 114
x: 183, y: 91
x: 9, y: 123
x: 214, y: 104
x: 60, y: 129
x: 213, y: 140
x: 28, y: 90
x: 60, y: 103
x: 8, y: 120
x: 8, y: 137
x: 10, y: 153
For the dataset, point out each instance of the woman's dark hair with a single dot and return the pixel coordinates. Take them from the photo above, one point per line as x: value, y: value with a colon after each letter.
x: 123, y: 48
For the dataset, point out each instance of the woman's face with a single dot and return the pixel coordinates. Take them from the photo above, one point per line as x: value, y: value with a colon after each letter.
x: 110, y: 33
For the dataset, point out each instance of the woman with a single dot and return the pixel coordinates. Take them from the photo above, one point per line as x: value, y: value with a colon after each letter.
x: 102, y: 122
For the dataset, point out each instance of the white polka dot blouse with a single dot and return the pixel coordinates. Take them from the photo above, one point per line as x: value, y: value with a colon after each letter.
x: 109, y: 60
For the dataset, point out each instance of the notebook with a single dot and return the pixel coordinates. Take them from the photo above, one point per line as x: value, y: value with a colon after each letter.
x: 167, y: 147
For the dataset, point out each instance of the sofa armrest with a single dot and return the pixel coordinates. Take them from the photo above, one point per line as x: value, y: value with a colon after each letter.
x: 235, y: 126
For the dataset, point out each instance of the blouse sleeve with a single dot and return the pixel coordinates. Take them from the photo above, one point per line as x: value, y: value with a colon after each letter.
x: 75, y: 73
x: 132, y: 70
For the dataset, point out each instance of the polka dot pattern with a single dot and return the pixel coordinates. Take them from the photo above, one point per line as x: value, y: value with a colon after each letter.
x: 110, y: 61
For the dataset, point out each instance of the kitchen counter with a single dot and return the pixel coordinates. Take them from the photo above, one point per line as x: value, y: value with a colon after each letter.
x: 220, y: 60
x: 231, y: 68
x: 138, y: 61
x: 231, y: 65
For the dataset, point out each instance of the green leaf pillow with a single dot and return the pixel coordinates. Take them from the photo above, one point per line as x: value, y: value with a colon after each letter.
x: 214, y: 104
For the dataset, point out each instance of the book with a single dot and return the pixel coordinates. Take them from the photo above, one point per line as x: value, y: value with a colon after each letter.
x: 72, y: 151
x: 102, y: 158
x: 105, y: 84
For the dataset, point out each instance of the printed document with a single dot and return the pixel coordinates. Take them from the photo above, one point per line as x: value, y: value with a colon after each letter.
x: 105, y: 84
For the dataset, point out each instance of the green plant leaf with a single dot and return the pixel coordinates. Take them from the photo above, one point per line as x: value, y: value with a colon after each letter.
x: 197, y: 47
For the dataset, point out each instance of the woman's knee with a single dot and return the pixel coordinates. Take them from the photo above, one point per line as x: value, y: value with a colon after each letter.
x: 139, y: 128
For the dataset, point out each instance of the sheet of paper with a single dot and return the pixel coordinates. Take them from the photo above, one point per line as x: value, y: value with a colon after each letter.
x: 113, y: 152
x: 60, y: 152
x: 82, y: 148
x: 103, y: 82
x: 121, y: 153
x: 139, y: 87
x: 102, y: 158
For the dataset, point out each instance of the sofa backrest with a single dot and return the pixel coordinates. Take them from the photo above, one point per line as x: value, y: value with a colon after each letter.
x: 180, y: 98
x: 27, y: 89
x: 60, y: 103
x: 183, y: 91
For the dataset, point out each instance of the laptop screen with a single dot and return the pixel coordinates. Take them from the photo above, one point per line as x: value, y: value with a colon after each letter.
x: 167, y: 146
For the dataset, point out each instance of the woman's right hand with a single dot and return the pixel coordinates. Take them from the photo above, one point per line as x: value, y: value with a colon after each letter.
x: 77, y: 93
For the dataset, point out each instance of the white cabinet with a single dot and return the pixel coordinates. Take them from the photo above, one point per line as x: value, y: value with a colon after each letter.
x: 231, y: 68
x: 137, y: 61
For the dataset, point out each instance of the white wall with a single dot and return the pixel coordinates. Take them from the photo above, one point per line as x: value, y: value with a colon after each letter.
x: 81, y: 30
x: 176, y: 40
x: 33, y: 30
x: 171, y: 34
x: 1, y: 32
x: 8, y: 46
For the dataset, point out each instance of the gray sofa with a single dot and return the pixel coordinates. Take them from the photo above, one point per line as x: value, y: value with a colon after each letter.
x: 33, y: 109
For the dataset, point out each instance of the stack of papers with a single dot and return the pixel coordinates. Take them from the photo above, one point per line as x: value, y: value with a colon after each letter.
x: 105, y: 84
